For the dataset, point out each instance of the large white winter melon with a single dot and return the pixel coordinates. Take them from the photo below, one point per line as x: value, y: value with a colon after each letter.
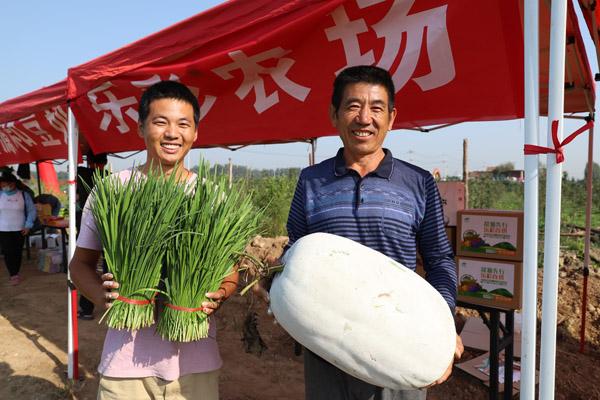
x: 363, y: 312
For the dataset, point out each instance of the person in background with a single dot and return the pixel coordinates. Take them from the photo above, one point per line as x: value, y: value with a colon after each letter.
x: 85, y: 183
x: 54, y: 203
x: 17, y: 213
x: 51, y: 200
x: 381, y: 202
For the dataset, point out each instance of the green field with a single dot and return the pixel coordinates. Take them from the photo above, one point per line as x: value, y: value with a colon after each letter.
x: 277, y: 192
x: 274, y: 190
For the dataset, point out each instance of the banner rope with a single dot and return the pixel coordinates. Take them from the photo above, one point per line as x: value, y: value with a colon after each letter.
x: 530, y: 149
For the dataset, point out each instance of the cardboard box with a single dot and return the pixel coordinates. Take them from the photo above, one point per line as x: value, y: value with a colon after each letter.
x: 50, y: 260
x: 490, y: 234
x: 477, y: 368
x: 453, y: 200
x: 491, y: 283
x: 476, y: 335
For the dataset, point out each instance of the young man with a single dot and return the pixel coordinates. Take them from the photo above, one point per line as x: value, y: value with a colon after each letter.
x: 365, y: 194
x: 139, y: 364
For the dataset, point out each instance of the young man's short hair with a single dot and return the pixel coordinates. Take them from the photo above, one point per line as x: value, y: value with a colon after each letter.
x: 167, y: 90
x: 362, y: 74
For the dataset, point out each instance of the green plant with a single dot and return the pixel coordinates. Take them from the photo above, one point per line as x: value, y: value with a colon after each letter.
x: 216, y: 224
x: 274, y: 194
x: 135, y: 219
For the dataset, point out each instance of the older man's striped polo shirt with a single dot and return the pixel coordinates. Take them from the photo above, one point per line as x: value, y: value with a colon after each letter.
x: 395, y: 210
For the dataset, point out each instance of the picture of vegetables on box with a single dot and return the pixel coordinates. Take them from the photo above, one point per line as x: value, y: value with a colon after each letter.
x: 493, y: 283
x: 473, y: 242
x: 490, y: 234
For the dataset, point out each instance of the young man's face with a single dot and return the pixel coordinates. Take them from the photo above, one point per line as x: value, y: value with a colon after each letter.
x: 169, y: 131
x: 363, y: 119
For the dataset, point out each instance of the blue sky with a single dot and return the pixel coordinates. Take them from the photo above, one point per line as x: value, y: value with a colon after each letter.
x: 42, y: 39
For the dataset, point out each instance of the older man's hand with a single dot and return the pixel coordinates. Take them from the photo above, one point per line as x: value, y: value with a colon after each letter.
x: 458, y: 351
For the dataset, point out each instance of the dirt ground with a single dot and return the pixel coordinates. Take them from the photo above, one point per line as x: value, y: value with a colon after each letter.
x: 33, y: 332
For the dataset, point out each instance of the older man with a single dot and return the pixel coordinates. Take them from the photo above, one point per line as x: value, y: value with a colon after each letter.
x: 140, y: 364
x: 365, y: 194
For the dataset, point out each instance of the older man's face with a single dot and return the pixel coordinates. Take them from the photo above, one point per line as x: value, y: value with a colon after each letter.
x: 363, y: 119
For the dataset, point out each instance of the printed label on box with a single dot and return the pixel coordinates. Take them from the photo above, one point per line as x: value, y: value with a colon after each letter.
x: 489, y: 235
x: 486, y: 280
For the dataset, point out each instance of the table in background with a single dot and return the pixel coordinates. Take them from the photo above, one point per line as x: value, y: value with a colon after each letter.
x: 501, y: 338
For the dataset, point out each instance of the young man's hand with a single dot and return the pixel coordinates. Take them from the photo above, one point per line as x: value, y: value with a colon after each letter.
x: 110, y: 287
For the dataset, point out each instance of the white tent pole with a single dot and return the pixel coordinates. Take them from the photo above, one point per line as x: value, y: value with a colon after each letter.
x: 530, y: 256
x: 72, y: 168
x: 556, y: 91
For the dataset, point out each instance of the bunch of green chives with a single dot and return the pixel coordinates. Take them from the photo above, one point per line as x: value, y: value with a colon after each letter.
x: 218, y: 224
x: 135, y: 220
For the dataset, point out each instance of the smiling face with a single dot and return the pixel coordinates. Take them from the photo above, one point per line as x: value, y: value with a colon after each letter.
x: 169, y: 132
x: 362, y: 120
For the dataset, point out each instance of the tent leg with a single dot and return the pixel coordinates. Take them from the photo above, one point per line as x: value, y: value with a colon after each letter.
x: 39, y: 185
x: 588, y: 232
x: 556, y: 92
x: 531, y: 196
x: 73, y: 366
x: 39, y: 180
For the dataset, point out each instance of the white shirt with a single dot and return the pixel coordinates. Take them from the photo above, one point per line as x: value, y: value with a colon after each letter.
x: 12, y: 211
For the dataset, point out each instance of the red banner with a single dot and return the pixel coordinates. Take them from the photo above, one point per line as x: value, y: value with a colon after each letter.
x: 263, y: 70
x: 48, y: 177
x: 38, y: 136
x: 34, y: 126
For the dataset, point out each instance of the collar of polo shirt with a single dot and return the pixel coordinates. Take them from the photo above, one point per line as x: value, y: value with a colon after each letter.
x: 383, y: 170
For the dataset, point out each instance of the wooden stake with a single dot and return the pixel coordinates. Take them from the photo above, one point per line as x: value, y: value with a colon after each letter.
x: 466, y: 172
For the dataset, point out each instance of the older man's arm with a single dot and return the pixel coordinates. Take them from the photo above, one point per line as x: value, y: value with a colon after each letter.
x: 434, y: 246
x: 438, y: 258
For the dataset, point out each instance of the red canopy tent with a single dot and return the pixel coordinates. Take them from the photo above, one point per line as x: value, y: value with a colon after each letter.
x: 263, y: 70
x: 33, y: 127
x: 579, y: 81
x: 270, y: 61
x: 591, y: 14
